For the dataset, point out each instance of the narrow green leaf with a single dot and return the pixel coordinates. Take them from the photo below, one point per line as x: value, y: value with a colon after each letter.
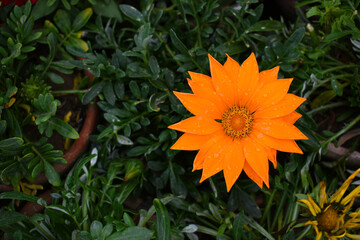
x: 51, y: 39
x: 65, y: 129
x: 19, y: 196
x: 51, y: 174
x: 336, y: 87
x: 336, y: 35
x: 55, y: 78
x: 154, y: 66
x: 162, y: 220
x: 266, y: 25
x: 178, y: 43
x: 132, y: 13
x: 238, y: 225
x: 10, y: 217
x: 134, y: 88
x: 133, y: 233
x: 294, y: 40
x: 62, y: 21
x: 81, y: 19
x: 125, y: 190
x: 109, y: 94
x: 252, y: 223
x: 93, y: 92
x: 41, y: 8
x: 11, y: 144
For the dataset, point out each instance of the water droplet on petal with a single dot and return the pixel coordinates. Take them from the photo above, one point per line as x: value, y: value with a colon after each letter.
x: 216, y: 155
x: 265, y: 95
x: 258, y: 149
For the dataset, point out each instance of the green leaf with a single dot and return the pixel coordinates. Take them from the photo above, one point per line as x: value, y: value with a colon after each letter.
x: 81, y: 19
x: 51, y: 174
x: 93, y: 92
x: 41, y: 9
x: 96, y: 229
x: 132, y: 13
x: 10, y: 217
x: 178, y: 43
x: 125, y: 190
x: 109, y: 94
x: 162, y: 220
x: 154, y: 66
x: 62, y: 21
x: 294, y: 40
x: 336, y: 87
x: 176, y: 184
x: 108, y: 9
x: 238, y: 225
x: 51, y: 40
x: 65, y: 129
x: 134, y: 88
x: 55, y: 78
x: 249, y: 204
x: 19, y: 196
x: 336, y: 35
x: 11, y: 144
x: 133, y: 233
x: 266, y: 25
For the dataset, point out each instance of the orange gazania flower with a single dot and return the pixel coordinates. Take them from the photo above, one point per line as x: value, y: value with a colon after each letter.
x: 242, y: 117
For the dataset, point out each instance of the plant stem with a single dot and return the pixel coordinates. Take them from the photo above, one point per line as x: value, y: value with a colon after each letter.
x: 339, y: 68
x: 69, y: 91
x: 210, y: 231
x: 344, y: 130
x: 268, y: 206
x: 328, y: 106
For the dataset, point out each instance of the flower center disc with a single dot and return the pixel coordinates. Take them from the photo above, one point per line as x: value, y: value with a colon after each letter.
x: 237, y: 122
x: 329, y: 220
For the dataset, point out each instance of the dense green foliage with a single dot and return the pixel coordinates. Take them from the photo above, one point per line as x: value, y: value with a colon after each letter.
x: 138, y: 55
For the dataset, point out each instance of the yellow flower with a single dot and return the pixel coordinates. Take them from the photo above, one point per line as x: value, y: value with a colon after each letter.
x: 242, y: 117
x: 332, y: 218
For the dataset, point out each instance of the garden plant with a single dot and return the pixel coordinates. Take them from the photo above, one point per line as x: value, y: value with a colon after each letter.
x: 224, y: 119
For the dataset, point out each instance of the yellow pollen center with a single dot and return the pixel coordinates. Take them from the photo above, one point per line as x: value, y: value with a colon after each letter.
x: 237, y: 122
x: 329, y: 220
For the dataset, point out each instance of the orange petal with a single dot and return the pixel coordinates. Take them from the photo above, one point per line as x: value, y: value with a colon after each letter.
x: 253, y: 175
x: 233, y: 163
x: 284, y: 145
x: 204, y: 88
x: 287, y: 105
x: 200, y: 157
x: 232, y: 67
x: 269, y: 76
x: 271, y: 93
x: 271, y: 154
x: 292, y: 117
x: 199, y: 77
x: 198, y: 105
x: 202, y: 85
x: 190, y: 141
x: 197, y: 125
x: 256, y: 157
x: 248, y: 79
x: 278, y: 129
x: 214, y: 158
x: 222, y: 83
